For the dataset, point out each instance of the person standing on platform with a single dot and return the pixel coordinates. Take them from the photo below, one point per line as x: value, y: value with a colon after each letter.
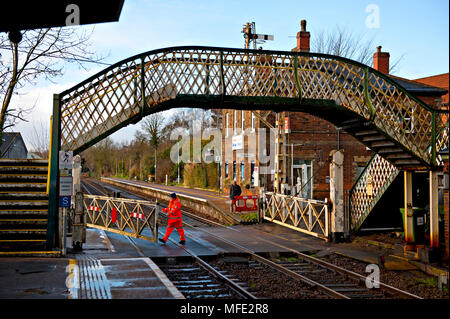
x: 235, y: 190
x: 174, y: 219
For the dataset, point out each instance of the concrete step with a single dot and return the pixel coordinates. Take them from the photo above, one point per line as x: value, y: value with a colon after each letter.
x: 8, y: 246
x: 374, y: 138
x: 398, y: 156
x: 19, y: 178
x: 367, y: 132
x: 23, y: 169
x: 23, y: 223
x: 406, y: 162
x: 23, y: 162
x: 25, y: 196
x: 15, y: 187
x: 6, y: 205
x: 23, y: 233
x: 381, y: 144
x: 390, y: 150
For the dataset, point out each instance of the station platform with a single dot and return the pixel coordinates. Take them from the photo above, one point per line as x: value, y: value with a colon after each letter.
x: 205, y: 202
x: 220, y: 200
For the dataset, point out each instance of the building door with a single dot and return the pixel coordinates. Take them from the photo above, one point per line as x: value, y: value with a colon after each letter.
x: 302, y: 173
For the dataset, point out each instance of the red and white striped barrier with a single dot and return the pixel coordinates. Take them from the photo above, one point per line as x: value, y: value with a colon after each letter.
x: 245, y: 208
x: 94, y: 208
x: 137, y: 215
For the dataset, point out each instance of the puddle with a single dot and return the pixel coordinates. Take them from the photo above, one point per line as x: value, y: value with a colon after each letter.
x: 33, y: 269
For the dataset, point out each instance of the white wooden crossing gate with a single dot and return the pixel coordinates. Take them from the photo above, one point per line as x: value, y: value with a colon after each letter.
x: 130, y: 217
x: 309, y: 216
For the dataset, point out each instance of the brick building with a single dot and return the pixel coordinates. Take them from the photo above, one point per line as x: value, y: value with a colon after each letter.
x: 309, y: 142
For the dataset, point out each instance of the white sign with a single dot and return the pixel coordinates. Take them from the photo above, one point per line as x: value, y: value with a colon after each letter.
x: 245, y: 155
x: 237, y: 142
x: 255, y: 176
x: 65, y: 159
x: 65, y: 185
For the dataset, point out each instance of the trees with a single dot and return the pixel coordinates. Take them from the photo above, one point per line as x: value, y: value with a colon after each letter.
x: 345, y: 43
x: 40, y: 54
x: 154, y: 129
x: 40, y: 139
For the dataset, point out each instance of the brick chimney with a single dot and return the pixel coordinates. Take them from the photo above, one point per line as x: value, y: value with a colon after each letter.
x: 381, y: 61
x: 302, y: 38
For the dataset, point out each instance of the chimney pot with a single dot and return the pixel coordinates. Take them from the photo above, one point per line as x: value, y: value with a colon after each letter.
x: 303, y: 25
x: 381, y: 61
x: 302, y: 38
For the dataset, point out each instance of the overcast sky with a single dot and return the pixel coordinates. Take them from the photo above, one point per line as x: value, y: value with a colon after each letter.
x: 414, y: 29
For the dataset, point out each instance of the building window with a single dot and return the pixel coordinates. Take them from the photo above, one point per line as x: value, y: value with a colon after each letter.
x: 243, y: 120
x: 234, y: 170
x: 242, y: 171
x: 253, y: 121
x: 226, y: 170
x: 227, y: 124
x: 252, y: 171
x: 301, y: 172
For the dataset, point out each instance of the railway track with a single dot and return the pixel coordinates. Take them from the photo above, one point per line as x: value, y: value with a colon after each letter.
x: 315, y: 274
x: 196, y: 280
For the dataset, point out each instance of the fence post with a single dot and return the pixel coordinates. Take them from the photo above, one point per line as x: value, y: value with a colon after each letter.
x: 337, y: 195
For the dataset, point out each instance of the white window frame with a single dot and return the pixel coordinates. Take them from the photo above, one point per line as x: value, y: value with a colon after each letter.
x: 253, y: 121
x: 227, y: 124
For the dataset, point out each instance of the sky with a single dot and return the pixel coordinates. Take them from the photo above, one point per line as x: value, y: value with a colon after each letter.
x: 415, y: 30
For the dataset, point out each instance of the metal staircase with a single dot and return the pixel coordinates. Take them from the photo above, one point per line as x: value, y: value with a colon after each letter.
x: 23, y: 207
x: 373, y: 182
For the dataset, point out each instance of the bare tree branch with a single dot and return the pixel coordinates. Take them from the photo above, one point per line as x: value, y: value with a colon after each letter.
x: 345, y: 43
x: 42, y: 53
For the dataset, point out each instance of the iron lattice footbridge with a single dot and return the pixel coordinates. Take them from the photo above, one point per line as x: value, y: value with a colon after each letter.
x: 366, y: 103
x: 403, y: 131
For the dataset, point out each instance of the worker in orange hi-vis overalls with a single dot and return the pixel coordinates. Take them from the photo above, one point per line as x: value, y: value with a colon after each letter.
x: 174, y: 219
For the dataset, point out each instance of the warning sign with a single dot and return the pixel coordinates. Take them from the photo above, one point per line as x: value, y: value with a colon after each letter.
x: 65, y: 159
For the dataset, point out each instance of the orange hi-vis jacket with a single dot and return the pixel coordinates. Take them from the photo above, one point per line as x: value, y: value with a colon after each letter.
x: 174, y: 219
x: 174, y: 212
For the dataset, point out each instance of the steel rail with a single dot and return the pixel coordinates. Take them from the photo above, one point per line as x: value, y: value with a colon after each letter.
x: 230, y: 283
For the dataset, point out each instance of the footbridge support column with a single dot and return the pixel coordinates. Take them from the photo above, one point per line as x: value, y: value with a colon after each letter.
x: 408, y: 207
x: 434, y: 212
x: 337, y: 195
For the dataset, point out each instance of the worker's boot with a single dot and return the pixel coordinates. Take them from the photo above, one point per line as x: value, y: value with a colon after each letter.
x: 182, y: 242
x: 162, y: 240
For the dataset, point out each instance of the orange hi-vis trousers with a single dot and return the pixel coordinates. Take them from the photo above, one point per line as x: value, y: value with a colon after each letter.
x: 174, y: 219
